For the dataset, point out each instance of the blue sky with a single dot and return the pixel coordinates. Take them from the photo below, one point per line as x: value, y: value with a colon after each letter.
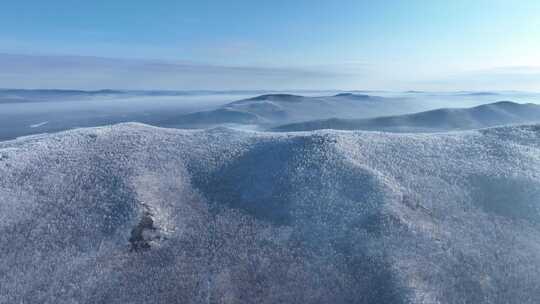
x: 347, y: 44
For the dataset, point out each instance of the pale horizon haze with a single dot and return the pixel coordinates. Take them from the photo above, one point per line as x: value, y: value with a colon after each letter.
x: 274, y: 45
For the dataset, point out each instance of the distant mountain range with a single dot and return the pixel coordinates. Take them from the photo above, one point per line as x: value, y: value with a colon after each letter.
x: 39, y: 95
x: 274, y: 109
x: 26, y: 112
x: 489, y: 115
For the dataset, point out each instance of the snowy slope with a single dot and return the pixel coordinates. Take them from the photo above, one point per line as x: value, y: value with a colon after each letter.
x: 138, y: 214
x: 483, y: 116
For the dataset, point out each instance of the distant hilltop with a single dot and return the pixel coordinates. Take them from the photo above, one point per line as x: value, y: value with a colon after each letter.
x: 447, y: 119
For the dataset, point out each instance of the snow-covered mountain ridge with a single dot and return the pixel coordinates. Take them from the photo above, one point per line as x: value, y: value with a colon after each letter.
x: 136, y: 214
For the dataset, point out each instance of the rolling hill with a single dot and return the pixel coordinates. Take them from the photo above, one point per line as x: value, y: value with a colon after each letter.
x: 488, y: 115
x: 136, y: 214
x: 274, y: 109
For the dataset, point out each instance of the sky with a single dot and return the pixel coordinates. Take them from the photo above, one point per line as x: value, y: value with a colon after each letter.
x: 247, y: 44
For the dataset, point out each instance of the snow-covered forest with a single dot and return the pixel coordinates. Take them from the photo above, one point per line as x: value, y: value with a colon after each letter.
x: 136, y: 214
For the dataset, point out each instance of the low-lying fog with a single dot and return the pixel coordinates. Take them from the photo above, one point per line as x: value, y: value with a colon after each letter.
x: 27, y: 112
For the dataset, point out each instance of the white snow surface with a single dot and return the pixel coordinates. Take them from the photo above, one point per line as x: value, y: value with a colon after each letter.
x: 37, y: 125
x: 136, y: 214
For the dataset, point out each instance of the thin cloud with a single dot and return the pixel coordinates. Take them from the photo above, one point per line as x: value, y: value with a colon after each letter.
x: 526, y: 78
x: 28, y: 71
